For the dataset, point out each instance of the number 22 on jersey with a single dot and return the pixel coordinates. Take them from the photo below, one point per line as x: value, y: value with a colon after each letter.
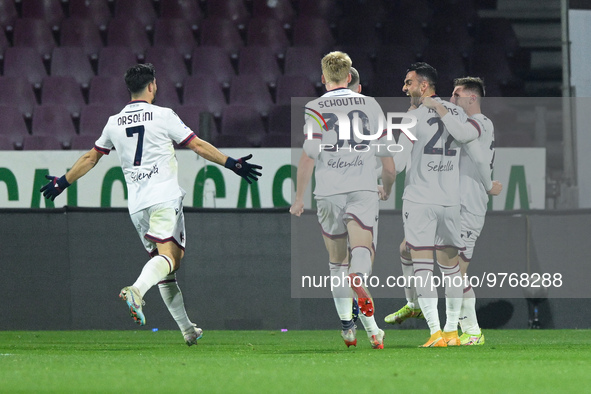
x: 430, y: 148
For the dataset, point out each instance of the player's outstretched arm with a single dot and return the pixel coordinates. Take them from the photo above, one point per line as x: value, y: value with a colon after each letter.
x: 240, y: 166
x: 305, y: 169
x: 462, y: 132
x: 56, y: 185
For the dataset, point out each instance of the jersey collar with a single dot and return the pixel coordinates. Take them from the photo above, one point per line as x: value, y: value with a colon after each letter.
x: 336, y: 91
x: 137, y: 101
x: 432, y: 96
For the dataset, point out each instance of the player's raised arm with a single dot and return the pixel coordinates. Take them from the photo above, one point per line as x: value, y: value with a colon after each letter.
x: 462, y: 132
x: 84, y: 164
x: 240, y: 166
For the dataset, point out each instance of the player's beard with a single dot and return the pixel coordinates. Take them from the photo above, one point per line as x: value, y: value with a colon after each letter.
x: 154, y: 98
x: 415, y: 101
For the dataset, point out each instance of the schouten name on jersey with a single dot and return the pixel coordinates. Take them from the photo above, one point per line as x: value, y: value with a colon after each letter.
x: 344, y: 164
x: 340, y: 101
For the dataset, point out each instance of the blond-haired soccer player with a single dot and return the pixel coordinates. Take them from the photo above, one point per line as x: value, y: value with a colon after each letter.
x: 355, y: 86
x: 346, y: 190
x: 142, y: 135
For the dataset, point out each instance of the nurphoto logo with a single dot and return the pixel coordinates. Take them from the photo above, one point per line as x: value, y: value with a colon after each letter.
x: 352, y: 128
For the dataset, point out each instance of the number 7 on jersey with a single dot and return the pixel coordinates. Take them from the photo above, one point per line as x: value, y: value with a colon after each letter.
x: 139, y: 130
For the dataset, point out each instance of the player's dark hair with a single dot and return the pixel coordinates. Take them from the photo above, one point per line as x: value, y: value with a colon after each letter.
x: 354, y: 76
x: 139, y: 76
x: 473, y: 84
x: 425, y: 71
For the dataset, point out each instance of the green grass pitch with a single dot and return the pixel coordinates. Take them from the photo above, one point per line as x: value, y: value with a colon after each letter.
x: 511, y: 361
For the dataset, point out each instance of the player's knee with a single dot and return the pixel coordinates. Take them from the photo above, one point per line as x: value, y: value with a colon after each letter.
x: 447, y: 256
x: 174, y: 262
x: 338, y: 256
x: 463, y: 266
x: 404, y: 250
x: 452, y: 253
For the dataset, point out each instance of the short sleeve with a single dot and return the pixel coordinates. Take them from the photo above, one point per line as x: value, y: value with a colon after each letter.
x: 178, y: 131
x: 104, y: 143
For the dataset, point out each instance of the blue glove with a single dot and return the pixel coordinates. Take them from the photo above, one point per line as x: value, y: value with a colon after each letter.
x: 243, y: 168
x: 55, y: 186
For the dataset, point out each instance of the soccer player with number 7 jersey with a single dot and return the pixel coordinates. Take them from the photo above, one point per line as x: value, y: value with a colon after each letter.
x: 142, y: 135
